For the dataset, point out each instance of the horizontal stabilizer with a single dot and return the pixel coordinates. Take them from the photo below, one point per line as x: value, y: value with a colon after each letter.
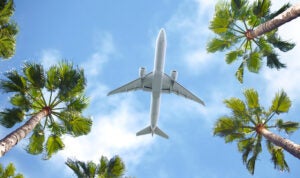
x: 145, y: 131
x: 148, y: 130
x: 159, y: 132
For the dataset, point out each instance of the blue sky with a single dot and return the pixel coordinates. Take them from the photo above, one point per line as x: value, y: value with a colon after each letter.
x: 111, y: 40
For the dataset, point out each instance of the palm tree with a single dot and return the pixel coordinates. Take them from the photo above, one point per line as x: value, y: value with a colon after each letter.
x: 236, y: 25
x: 249, y: 123
x: 8, y: 29
x: 114, y: 168
x: 9, y: 172
x: 57, y: 95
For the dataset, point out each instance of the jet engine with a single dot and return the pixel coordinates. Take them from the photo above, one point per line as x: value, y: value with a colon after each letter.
x: 174, y: 75
x: 142, y: 71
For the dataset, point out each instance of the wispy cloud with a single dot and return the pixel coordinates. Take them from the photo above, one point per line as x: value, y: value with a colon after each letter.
x: 50, y: 57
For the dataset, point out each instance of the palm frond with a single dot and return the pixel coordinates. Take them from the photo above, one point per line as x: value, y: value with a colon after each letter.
x: 8, y: 40
x: 36, y: 141
x: 254, y: 62
x: 6, y: 11
x: 9, y: 117
x: 116, y: 167
x: 277, y: 157
x: 78, y: 103
x: 233, y: 56
x: 252, y: 98
x: 281, y: 103
x: 78, y: 126
x: 261, y: 8
x: 53, y: 79
x: 217, y: 44
x: 237, y: 107
x: 288, y: 126
x: 15, y: 82
x: 54, y: 144
x: 73, y: 164
x: 273, y: 61
x: 34, y: 74
x: 21, y: 101
x: 277, y: 42
x: 239, y: 74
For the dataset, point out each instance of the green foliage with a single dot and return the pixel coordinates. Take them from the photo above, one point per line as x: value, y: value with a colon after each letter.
x: 288, y: 127
x: 233, y: 24
x: 246, y: 119
x: 281, y: 103
x: 60, y: 91
x: 54, y: 144
x: 8, y: 29
x: 9, y: 117
x: 114, y: 168
x: 277, y: 157
x: 9, y: 171
x: 36, y: 141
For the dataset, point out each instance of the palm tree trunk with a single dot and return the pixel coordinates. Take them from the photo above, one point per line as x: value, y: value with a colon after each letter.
x: 14, y: 137
x: 286, y: 16
x: 286, y: 144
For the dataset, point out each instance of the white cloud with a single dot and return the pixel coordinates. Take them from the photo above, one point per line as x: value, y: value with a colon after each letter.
x: 112, y: 133
x: 50, y: 57
x: 190, y: 24
x: 104, y: 49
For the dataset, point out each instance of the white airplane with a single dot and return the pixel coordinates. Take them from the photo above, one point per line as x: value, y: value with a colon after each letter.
x: 157, y: 82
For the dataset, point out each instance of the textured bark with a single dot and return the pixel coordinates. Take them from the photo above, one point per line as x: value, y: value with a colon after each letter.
x: 286, y: 16
x: 286, y: 144
x: 14, y: 137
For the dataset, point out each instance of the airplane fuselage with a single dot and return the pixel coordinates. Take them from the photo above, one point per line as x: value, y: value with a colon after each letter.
x: 158, y: 72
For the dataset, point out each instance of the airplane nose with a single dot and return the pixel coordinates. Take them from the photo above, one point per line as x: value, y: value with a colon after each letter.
x: 162, y: 35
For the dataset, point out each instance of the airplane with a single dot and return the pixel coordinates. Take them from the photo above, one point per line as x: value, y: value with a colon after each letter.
x: 157, y: 82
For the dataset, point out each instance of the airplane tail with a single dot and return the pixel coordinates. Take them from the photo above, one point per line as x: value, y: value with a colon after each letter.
x: 148, y: 130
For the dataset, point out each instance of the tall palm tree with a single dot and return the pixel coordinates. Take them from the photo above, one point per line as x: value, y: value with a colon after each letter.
x: 8, y: 29
x: 52, y: 101
x: 9, y: 171
x: 114, y: 168
x: 249, y: 123
x: 238, y: 30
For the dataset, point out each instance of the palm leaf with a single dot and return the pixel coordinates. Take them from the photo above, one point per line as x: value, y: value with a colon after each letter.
x: 237, y: 107
x: 116, y: 167
x: 251, y: 164
x: 288, y: 127
x: 20, y: 101
x: 233, y: 55
x: 217, y: 44
x: 277, y: 157
x: 53, y: 79
x: 54, y: 144
x: 281, y: 103
x: 34, y: 74
x: 103, y: 166
x: 6, y: 11
x: 261, y: 8
x: 78, y: 126
x: 239, y: 74
x: 221, y: 20
x: 36, y: 141
x: 273, y: 61
x: 77, y: 103
x: 277, y: 42
x: 254, y: 62
x: 9, y: 117
x: 9, y: 171
x: 15, y: 83
x: 73, y: 164
x: 252, y: 98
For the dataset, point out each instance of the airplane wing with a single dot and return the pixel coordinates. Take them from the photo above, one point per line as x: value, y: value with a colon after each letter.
x: 143, y: 83
x: 171, y: 86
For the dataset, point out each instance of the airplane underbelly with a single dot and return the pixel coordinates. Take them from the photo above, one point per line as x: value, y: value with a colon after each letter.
x: 155, y: 99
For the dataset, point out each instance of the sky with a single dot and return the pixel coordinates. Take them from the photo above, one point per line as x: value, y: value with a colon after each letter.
x: 111, y: 40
